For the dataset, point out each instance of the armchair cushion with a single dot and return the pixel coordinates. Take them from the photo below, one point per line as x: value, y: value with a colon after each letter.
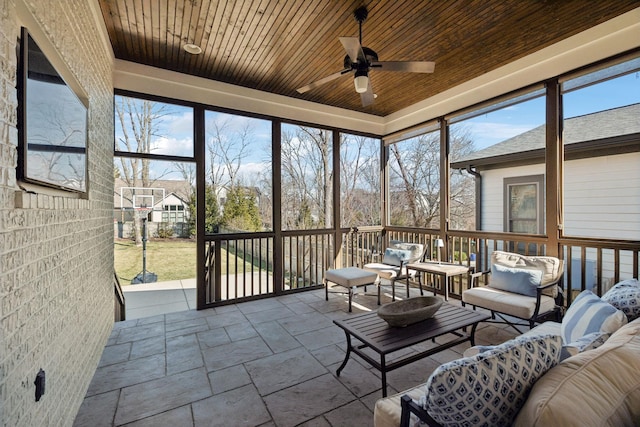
x: 589, y: 313
x: 625, y: 296
x: 491, y: 387
x: 395, y: 256
x: 521, y: 306
x: 551, y: 267
x: 518, y: 280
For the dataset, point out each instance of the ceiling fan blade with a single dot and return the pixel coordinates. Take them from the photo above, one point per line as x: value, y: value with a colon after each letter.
x: 406, y: 66
x: 367, y: 97
x: 322, y: 81
x: 353, y: 48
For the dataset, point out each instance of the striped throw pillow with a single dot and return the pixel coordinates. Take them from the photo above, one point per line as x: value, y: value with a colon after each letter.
x: 589, y: 314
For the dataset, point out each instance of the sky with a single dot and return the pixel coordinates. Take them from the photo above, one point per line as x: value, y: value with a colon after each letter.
x: 489, y: 129
x: 486, y: 130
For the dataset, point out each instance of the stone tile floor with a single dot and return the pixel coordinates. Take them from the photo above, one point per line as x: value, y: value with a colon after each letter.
x: 270, y: 362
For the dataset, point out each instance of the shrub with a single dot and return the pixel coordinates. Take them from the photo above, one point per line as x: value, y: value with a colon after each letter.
x: 165, y: 230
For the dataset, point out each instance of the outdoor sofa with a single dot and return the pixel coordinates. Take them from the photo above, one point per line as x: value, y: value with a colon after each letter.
x: 583, y: 371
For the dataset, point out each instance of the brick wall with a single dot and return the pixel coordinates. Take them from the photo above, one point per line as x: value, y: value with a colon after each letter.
x: 56, y: 251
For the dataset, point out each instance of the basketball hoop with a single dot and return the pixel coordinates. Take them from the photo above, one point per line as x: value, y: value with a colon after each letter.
x: 142, y: 212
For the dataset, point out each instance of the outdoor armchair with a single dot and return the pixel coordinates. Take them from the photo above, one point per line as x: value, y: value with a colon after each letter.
x: 519, y: 286
x: 393, y: 265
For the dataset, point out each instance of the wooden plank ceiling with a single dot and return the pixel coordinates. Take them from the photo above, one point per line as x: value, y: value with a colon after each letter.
x: 280, y: 45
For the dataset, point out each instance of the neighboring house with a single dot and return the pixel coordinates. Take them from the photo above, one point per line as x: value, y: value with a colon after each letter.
x: 171, y: 209
x: 166, y: 201
x: 601, y: 180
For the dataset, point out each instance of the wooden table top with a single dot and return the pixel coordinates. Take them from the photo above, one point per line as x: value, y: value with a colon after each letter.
x: 373, y: 331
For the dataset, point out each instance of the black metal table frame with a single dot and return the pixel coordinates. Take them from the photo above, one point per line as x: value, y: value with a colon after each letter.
x: 385, y: 367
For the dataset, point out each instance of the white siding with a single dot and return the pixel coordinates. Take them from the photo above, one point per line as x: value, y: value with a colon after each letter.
x: 602, y: 197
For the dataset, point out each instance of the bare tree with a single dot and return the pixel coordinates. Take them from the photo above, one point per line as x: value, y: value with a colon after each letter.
x: 227, y: 147
x: 462, y: 185
x: 139, y: 124
x: 414, y: 181
x: 231, y: 141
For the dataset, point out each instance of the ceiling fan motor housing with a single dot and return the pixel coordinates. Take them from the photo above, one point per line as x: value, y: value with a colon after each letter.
x: 369, y: 54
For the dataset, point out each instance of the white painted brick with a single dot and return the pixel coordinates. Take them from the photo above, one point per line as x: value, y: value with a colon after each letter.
x: 56, y: 301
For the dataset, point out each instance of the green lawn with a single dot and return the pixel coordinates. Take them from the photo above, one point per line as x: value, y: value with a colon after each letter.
x: 169, y: 259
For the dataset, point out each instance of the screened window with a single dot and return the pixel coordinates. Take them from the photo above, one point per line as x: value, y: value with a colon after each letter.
x: 307, y: 173
x: 602, y: 136
x: 488, y: 145
x: 414, y: 180
x: 238, y: 174
x: 153, y: 127
x: 359, y: 181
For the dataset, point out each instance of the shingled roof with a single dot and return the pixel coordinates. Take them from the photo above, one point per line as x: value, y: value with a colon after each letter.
x: 588, y: 132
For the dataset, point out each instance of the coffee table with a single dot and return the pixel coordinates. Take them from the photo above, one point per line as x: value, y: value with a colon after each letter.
x: 375, y: 334
x: 442, y: 270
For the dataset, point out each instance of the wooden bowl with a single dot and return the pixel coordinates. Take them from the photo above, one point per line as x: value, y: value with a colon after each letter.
x: 409, y: 311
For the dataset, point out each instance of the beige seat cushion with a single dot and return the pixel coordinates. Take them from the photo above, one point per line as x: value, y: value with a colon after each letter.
x: 521, y: 306
x: 350, y: 276
x: 385, y: 271
x: 599, y: 387
x: 387, y: 410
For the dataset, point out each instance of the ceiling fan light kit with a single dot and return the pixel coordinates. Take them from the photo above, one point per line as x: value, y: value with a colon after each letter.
x: 360, y: 60
x: 361, y: 81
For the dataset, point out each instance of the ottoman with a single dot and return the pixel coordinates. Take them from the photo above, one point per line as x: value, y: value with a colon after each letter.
x: 349, y: 278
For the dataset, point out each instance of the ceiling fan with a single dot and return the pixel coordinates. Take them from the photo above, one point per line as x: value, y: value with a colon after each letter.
x: 361, y: 60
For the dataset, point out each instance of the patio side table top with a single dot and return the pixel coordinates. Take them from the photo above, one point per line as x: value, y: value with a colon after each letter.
x: 439, y: 268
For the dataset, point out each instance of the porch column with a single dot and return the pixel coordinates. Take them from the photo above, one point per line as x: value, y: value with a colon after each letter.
x: 554, y: 172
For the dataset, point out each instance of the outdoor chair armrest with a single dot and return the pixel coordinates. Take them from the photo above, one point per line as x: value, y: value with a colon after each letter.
x: 409, y: 406
x: 548, y: 285
x: 474, y: 276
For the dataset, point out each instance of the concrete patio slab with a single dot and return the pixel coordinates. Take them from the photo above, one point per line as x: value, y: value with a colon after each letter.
x: 267, y: 363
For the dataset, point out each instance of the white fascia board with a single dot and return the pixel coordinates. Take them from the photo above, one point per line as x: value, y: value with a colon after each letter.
x: 615, y: 36
x: 155, y: 81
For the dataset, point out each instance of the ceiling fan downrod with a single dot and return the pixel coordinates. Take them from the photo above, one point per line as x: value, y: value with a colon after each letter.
x: 360, y: 14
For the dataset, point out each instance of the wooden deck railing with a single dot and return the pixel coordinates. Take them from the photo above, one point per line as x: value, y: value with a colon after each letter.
x: 244, y: 266
x: 119, y: 302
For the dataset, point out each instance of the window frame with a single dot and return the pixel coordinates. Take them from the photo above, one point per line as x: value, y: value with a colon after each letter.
x: 510, y: 182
